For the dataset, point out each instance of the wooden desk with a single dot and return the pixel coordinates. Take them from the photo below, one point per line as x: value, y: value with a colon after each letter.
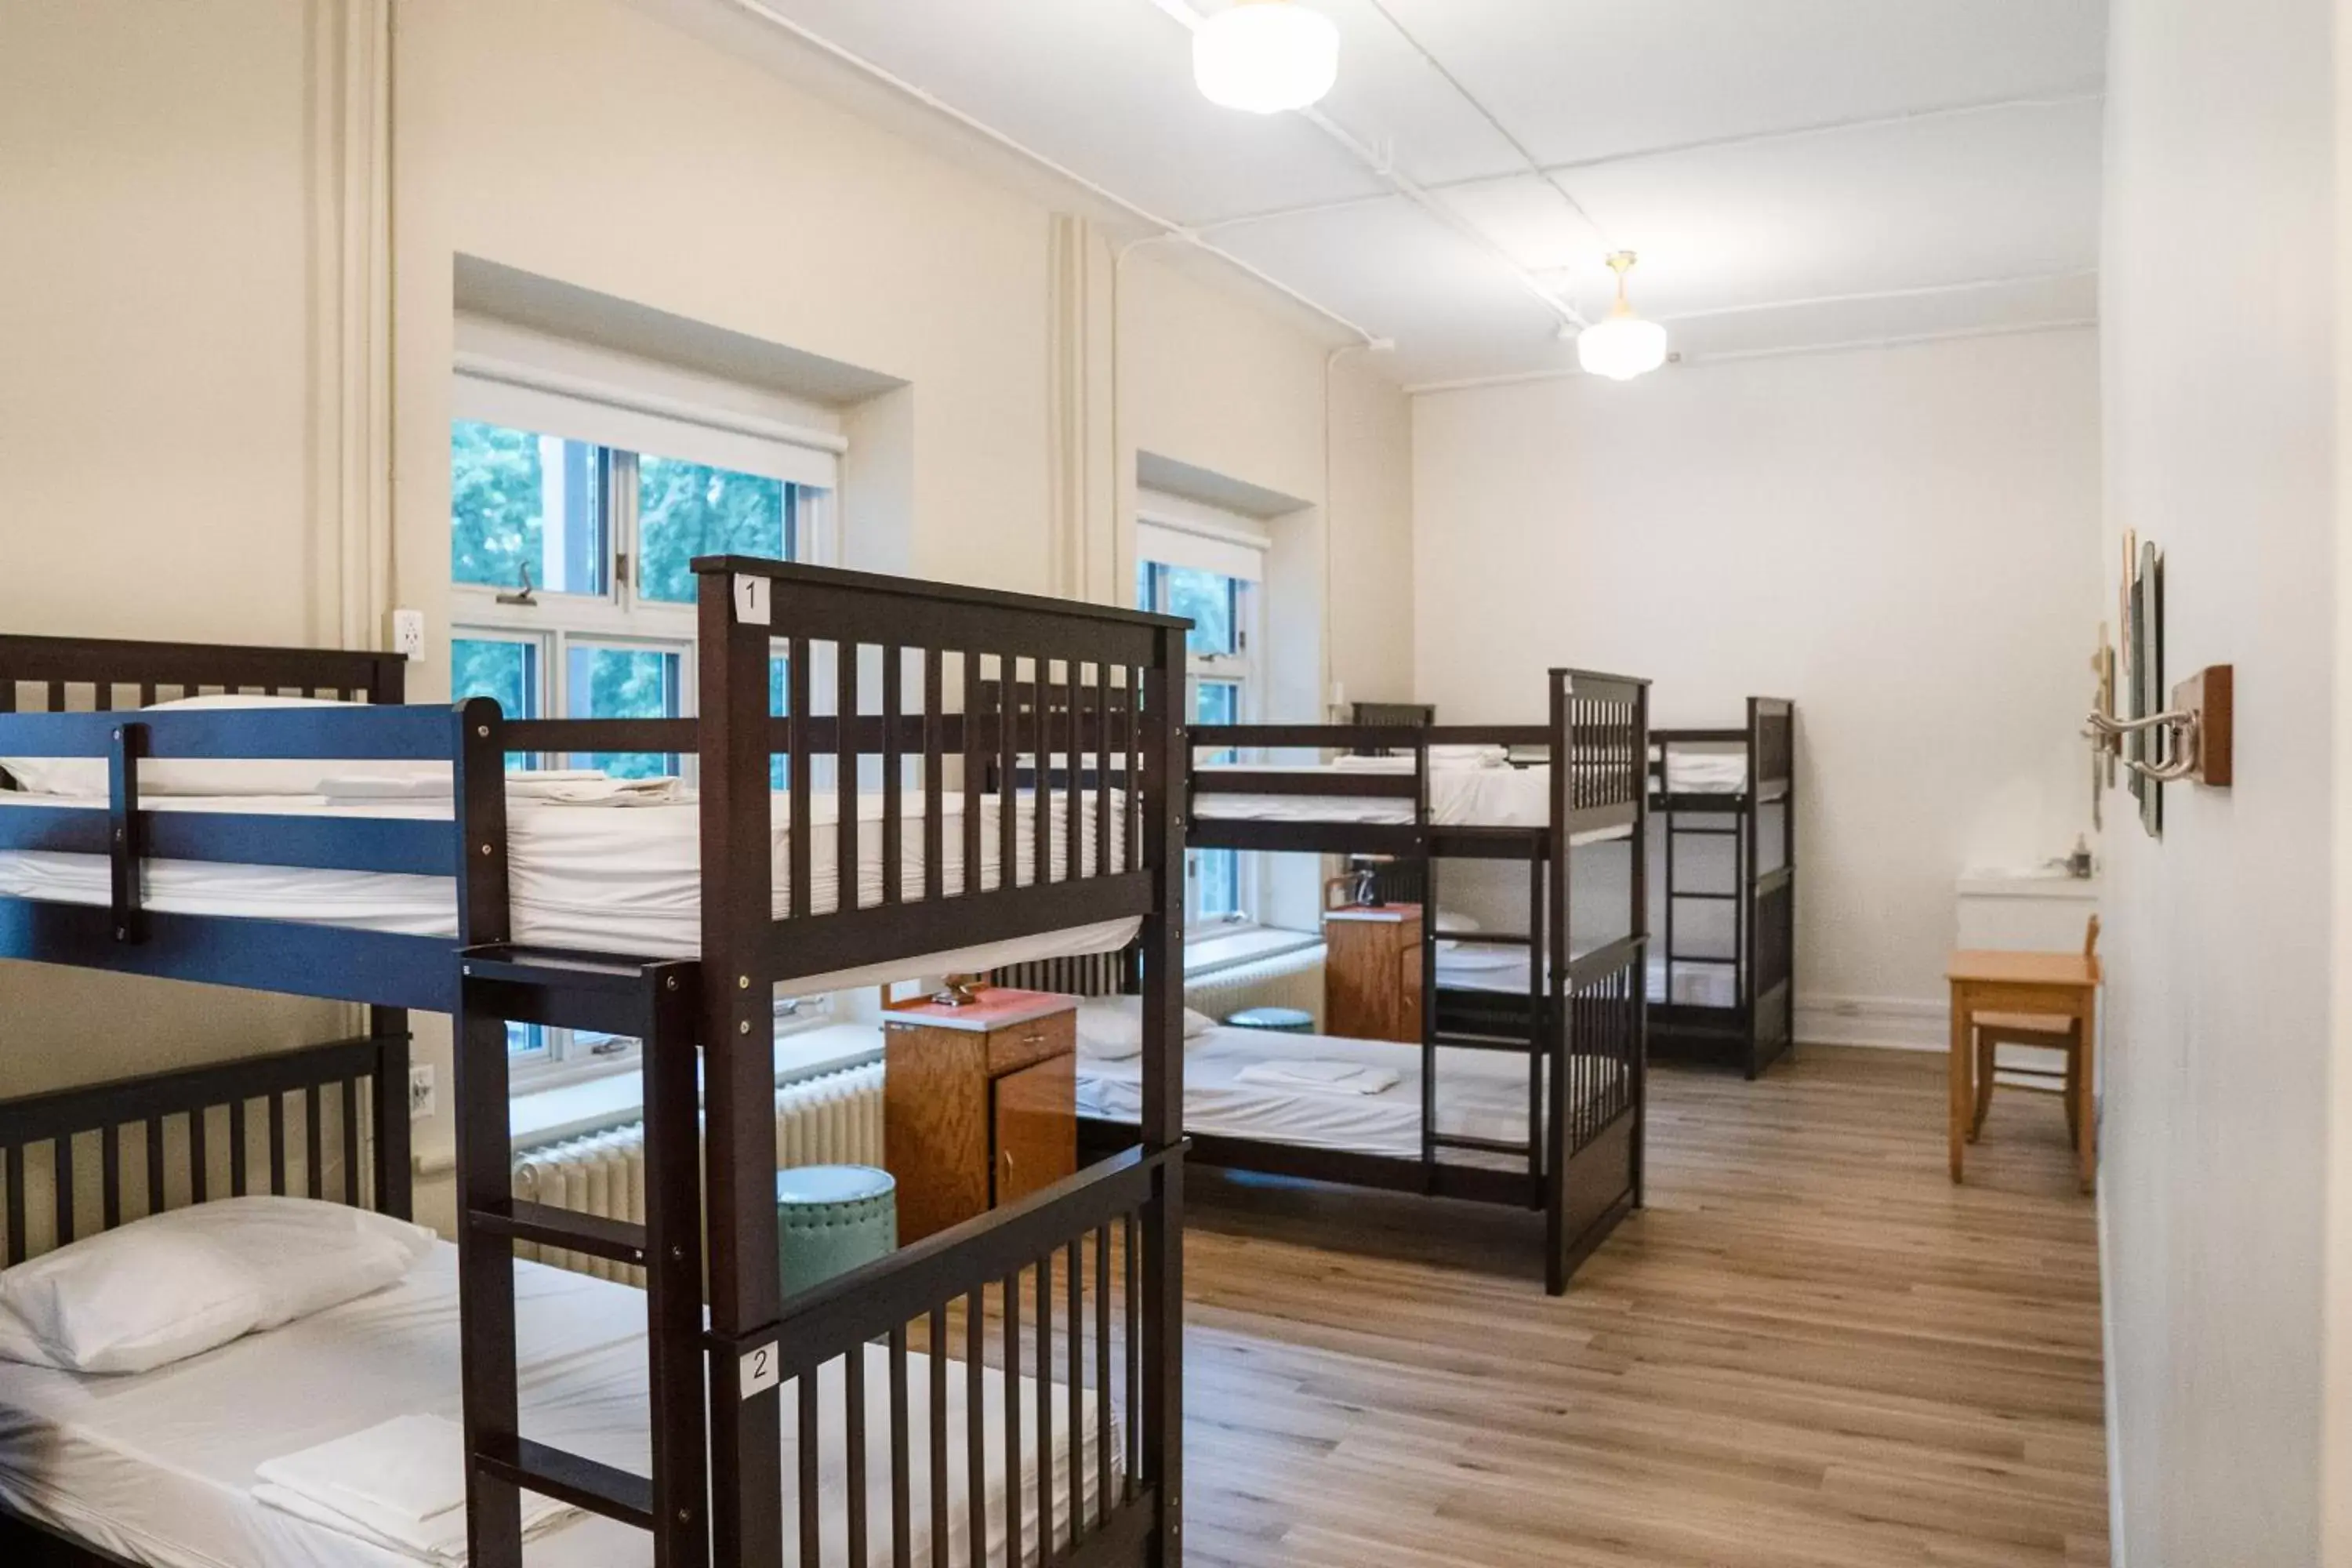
x: 2058, y: 984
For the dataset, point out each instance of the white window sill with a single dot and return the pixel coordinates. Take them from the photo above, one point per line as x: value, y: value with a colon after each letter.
x: 1207, y: 953
x: 537, y: 1118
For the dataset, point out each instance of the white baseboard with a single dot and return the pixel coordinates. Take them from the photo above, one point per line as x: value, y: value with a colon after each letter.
x: 2116, y: 1555
x: 1892, y: 1022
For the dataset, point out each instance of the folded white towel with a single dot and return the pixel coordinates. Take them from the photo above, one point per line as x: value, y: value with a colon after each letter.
x: 400, y: 1485
x: 1323, y: 1077
x: 1351, y: 764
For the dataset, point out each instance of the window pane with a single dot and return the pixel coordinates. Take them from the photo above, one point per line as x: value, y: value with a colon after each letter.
x: 525, y: 1039
x: 1217, y: 702
x: 1207, y: 597
x: 520, y: 502
x: 1147, y: 584
x: 780, y: 703
x: 606, y: 681
x: 686, y: 510
x: 1216, y: 892
x: 505, y: 670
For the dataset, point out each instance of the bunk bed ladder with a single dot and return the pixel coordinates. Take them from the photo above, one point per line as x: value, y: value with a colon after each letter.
x: 657, y: 1002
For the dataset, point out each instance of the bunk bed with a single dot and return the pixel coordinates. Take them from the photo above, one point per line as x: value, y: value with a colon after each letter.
x: 883, y: 855
x: 1724, y: 803
x: 1535, y: 1099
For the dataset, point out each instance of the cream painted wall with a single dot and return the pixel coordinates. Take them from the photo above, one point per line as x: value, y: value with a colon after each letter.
x: 2226, y: 1083
x: 1902, y: 541
x: 165, y: 183
x: 156, y: 394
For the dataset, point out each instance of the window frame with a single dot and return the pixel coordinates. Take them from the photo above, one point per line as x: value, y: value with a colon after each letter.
x: 552, y: 624
x: 1237, y: 669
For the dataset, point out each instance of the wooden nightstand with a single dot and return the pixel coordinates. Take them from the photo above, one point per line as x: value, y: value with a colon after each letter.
x: 980, y: 1103
x: 1371, y: 971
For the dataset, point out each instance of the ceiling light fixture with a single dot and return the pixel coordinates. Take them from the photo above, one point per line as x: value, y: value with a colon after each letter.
x: 1266, y: 56
x: 1621, y: 345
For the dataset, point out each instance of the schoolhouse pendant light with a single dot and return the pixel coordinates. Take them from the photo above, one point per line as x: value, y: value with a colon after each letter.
x: 1266, y: 56
x: 1621, y: 345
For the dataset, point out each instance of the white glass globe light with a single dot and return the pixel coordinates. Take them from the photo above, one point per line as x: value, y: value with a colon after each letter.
x: 1621, y: 345
x: 1266, y: 56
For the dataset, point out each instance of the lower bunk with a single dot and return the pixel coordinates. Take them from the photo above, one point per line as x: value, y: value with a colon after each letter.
x: 973, y: 1399
x: 1486, y: 1125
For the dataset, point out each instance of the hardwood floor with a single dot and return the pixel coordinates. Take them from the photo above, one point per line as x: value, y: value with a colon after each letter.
x: 1810, y: 1351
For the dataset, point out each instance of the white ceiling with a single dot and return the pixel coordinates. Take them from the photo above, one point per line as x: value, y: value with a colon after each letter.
x: 1793, y: 173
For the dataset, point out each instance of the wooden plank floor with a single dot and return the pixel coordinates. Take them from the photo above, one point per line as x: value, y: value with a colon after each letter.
x: 1809, y: 1351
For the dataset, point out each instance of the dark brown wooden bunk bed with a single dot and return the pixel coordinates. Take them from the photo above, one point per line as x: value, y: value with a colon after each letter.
x: 1726, y: 996
x: 1579, y: 1023
x: 717, y: 1354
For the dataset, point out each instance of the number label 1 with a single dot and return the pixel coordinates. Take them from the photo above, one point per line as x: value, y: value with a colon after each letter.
x: 751, y: 599
x: 758, y: 1372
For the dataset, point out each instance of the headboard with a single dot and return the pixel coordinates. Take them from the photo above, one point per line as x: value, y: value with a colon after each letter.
x: 91, y: 673
x: 348, y: 1120
x: 1398, y: 715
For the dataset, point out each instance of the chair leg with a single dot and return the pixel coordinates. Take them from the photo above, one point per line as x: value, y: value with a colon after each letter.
x: 2074, y: 1093
x: 1984, y: 1049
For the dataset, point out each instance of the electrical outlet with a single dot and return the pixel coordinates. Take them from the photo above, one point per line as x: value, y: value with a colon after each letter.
x: 421, y: 1099
x: 409, y: 632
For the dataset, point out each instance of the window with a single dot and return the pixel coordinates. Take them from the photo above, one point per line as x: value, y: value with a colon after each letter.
x: 573, y: 525
x: 1219, y: 884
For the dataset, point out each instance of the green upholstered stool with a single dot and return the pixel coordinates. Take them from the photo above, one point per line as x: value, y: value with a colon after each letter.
x: 830, y: 1219
x: 1276, y: 1020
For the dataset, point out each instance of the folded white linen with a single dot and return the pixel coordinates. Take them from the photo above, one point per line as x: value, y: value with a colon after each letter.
x: 1322, y: 1075
x: 1355, y: 764
x: 399, y: 1484
x: 1469, y: 756
x: 1482, y: 956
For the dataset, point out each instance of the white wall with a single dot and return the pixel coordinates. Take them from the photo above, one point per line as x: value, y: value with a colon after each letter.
x: 1901, y: 541
x: 2222, y: 410
x: 170, y: 179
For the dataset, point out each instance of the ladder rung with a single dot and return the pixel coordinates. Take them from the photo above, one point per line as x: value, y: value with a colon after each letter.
x: 1719, y: 897
x: 615, y: 1240
x: 582, y: 1482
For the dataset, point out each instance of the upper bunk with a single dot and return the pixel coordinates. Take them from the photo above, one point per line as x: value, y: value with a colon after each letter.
x: 1726, y: 770
x: 348, y: 849
x: 1397, y: 784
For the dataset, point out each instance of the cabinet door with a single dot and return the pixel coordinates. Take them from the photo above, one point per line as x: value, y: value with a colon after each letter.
x: 1036, y: 1127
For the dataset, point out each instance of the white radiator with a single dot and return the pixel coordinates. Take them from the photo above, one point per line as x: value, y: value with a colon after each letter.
x: 833, y: 1119
x: 1293, y: 979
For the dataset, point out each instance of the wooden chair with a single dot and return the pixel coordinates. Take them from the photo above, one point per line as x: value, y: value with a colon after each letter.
x: 2045, y: 1032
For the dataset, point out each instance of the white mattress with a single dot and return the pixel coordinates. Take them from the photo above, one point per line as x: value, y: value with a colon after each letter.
x: 601, y: 877
x: 1480, y: 1094
x: 1481, y: 966
x: 157, y: 1467
x: 1458, y: 797
x: 1706, y: 772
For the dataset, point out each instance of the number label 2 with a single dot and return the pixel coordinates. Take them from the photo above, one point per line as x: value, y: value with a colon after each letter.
x: 759, y: 1370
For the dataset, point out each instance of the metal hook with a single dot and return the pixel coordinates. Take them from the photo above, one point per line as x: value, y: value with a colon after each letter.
x: 524, y: 596
x: 2180, y: 727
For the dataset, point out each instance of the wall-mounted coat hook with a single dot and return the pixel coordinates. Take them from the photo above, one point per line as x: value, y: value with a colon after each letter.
x: 2193, y: 734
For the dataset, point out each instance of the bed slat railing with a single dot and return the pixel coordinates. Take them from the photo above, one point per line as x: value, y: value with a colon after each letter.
x: 172, y: 1116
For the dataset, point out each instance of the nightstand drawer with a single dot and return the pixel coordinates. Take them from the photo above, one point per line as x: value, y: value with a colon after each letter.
x: 1011, y: 1049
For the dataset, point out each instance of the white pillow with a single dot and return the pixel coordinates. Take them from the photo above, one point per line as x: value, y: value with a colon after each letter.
x: 86, y: 776
x: 169, y: 1286
x: 1110, y: 1028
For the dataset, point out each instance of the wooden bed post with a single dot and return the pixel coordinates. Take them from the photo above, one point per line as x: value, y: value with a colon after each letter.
x: 1162, y: 950
x: 1555, y: 1028
x: 1640, y: 927
x: 739, y: 1031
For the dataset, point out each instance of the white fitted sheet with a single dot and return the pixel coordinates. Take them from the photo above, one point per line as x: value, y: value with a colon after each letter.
x: 1480, y: 1094
x: 600, y: 877
x: 158, y: 1468
x: 1706, y: 772
x: 1482, y: 966
x: 1458, y: 797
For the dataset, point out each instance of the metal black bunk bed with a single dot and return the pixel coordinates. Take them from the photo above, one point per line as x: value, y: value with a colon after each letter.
x: 1579, y: 1022
x: 1726, y: 994
x: 723, y: 1340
